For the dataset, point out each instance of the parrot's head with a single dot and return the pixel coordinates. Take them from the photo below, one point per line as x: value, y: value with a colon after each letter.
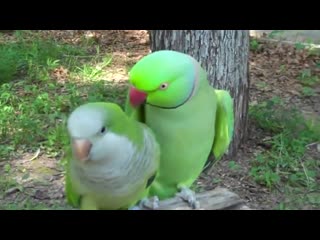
x: 164, y: 79
x: 94, y: 129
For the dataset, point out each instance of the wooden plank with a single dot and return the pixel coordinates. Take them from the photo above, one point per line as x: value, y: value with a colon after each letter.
x: 217, y: 199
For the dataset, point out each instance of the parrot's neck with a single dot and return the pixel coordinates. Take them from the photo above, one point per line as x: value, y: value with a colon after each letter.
x: 198, y: 80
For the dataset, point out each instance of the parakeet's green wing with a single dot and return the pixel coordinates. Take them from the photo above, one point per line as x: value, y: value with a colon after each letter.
x: 224, y: 126
x: 137, y: 114
x: 72, y: 197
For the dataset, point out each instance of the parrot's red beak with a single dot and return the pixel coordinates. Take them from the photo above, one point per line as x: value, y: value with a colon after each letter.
x: 136, y: 97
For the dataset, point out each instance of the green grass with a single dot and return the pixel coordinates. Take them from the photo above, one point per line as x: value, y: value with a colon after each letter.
x: 34, y: 104
x: 233, y: 166
x: 275, y: 33
x: 306, y: 78
x: 287, y: 162
x: 29, y: 204
x: 308, y: 92
x: 308, y: 81
x: 254, y: 45
x: 33, y: 57
x: 6, y: 182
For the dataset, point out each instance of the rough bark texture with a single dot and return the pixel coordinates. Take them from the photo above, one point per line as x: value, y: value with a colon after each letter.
x: 217, y: 199
x: 224, y: 54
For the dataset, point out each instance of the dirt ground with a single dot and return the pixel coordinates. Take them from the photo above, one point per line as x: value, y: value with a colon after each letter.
x: 290, y: 35
x: 46, y: 187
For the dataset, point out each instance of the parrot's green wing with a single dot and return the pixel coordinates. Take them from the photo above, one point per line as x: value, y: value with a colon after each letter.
x: 72, y: 197
x: 224, y: 125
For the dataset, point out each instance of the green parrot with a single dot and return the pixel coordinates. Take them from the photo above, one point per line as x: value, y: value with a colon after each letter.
x: 170, y: 93
x: 112, y: 159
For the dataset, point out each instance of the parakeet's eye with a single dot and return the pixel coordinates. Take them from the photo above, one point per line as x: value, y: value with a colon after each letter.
x: 163, y: 86
x: 103, y: 130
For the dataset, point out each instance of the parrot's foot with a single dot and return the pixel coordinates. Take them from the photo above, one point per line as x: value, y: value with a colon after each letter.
x: 188, y: 195
x: 151, y: 203
x: 135, y: 208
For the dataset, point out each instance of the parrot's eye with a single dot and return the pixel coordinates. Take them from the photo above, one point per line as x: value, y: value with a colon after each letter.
x: 103, y: 129
x: 163, y: 86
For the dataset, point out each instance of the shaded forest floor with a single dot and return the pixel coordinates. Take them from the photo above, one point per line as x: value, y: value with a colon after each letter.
x: 45, y: 74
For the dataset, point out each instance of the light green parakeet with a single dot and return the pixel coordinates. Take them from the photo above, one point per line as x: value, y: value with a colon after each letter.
x: 170, y: 93
x: 113, y: 159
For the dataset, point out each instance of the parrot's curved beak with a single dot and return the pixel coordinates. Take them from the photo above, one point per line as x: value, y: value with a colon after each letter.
x: 136, y: 97
x: 81, y: 149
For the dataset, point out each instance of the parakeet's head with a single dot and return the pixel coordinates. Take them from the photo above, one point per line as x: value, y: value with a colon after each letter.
x: 164, y: 79
x: 95, y: 129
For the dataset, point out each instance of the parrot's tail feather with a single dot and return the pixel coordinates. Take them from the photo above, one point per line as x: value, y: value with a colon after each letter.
x: 224, y: 123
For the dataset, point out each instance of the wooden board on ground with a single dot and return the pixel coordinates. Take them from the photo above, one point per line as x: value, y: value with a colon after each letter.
x: 217, y: 199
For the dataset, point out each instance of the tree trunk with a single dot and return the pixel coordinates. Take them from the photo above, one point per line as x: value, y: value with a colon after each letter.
x: 224, y: 55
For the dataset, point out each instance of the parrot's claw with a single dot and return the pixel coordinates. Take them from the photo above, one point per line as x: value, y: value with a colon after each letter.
x: 152, y: 203
x: 188, y: 195
x: 135, y: 208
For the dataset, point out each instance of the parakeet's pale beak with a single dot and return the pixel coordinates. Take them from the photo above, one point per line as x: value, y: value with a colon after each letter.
x: 136, y: 97
x: 81, y: 149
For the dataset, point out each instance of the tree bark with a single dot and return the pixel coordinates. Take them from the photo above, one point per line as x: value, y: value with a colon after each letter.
x: 224, y: 54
